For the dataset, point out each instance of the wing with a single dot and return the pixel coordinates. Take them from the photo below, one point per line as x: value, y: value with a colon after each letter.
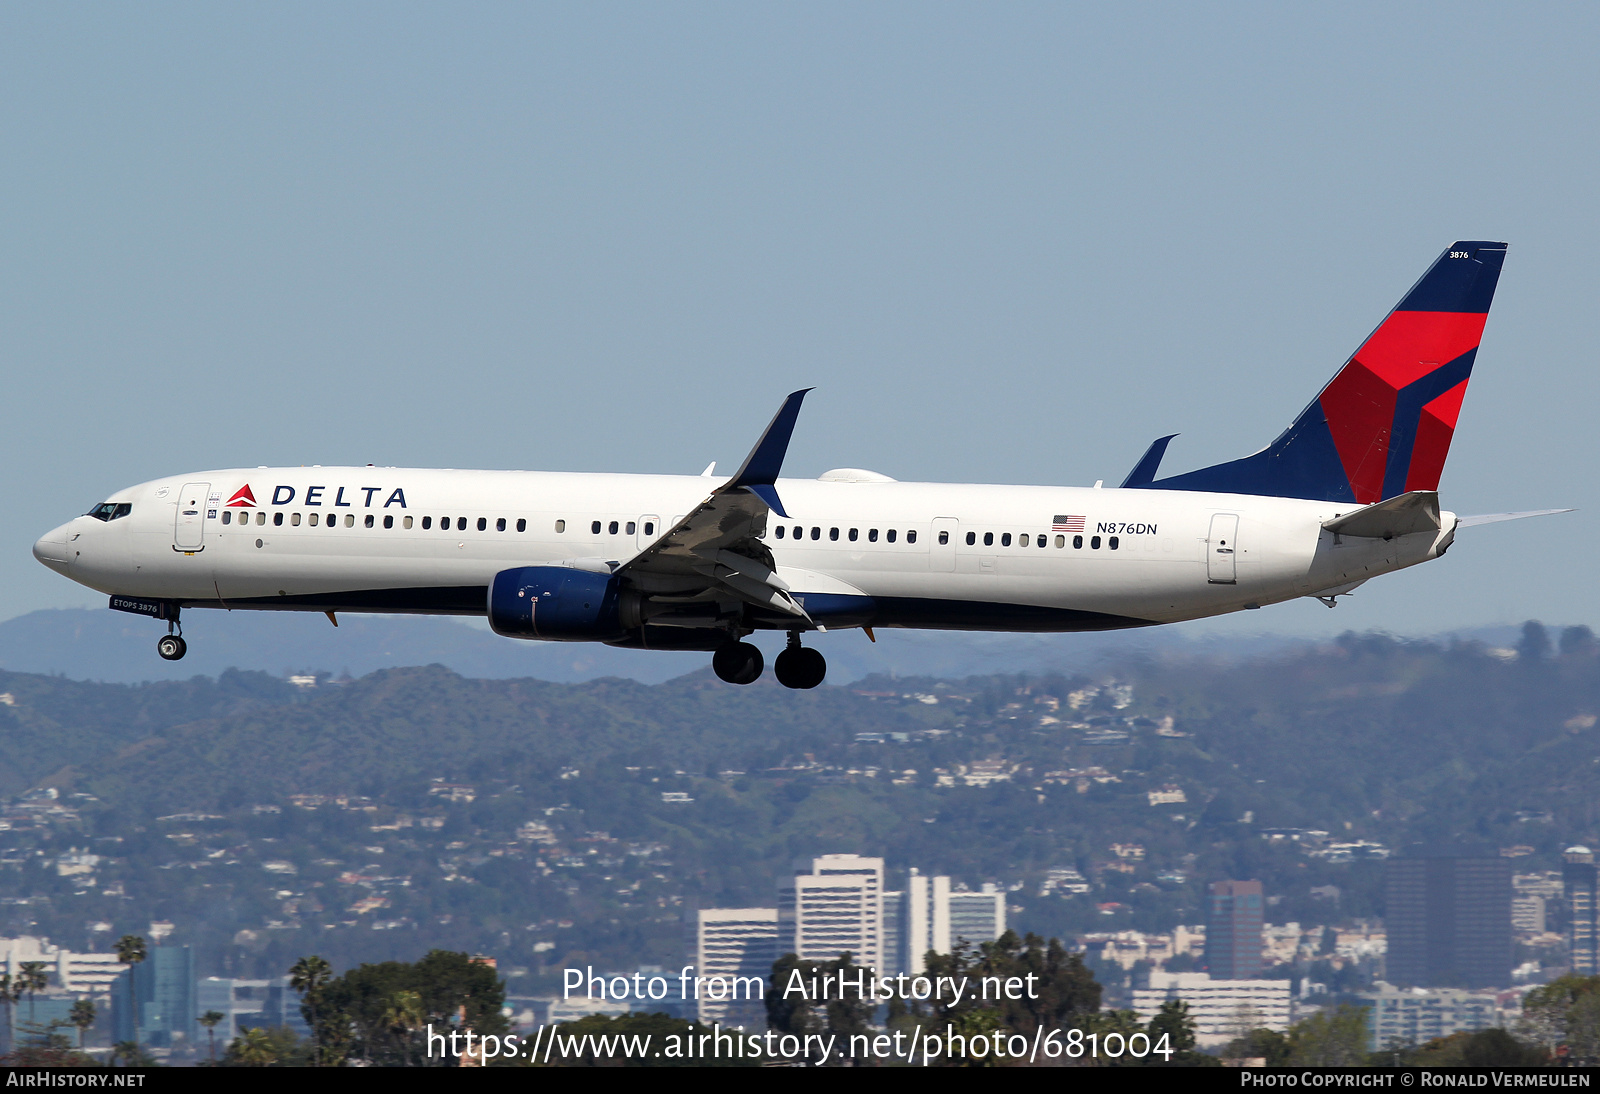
x: 715, y: 553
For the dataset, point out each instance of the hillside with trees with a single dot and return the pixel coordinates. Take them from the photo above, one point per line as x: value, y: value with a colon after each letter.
x: 560, y: 824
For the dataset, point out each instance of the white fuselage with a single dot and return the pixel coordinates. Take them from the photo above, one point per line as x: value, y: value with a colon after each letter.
x: 960, y: 556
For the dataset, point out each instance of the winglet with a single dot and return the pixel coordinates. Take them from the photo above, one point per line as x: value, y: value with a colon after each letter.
x: 759, y: 472
x: 1144, y: 472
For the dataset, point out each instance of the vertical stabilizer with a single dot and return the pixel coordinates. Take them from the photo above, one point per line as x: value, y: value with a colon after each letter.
x: 1383, y: 425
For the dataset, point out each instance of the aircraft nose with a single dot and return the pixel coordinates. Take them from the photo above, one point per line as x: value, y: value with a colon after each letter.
x: 51, y: 549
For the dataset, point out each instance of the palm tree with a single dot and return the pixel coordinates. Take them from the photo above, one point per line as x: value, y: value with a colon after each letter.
x: 130, y: 951
x: 308, y: 977
x: 83, y: 1017
x: 30, y: 980
x: 210, y: 1019
x: 255, y: 1048
x: 403, y: 1016
x: 129, y: 1053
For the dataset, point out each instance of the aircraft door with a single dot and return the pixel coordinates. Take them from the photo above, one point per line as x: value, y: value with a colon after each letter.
x: 649, y: 531
x: 942, y: 547
x: 1221, y: 548
x: 189, y: 528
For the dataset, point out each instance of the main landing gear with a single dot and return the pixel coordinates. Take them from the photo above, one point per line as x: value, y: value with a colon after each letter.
x: 171, y: 646
x: 796, y: 667
x: 799, y: 666
x: 738, y: 663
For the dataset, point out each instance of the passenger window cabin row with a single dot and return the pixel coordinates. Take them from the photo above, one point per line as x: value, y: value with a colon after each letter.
x: 1023, y: 539
x: 1113, y: 542
x: 461, y: 524
x: 799, y: 532
x: 796, y: 532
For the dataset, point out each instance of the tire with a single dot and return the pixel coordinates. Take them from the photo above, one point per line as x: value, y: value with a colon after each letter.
x: 738, y: 663
x: 801, y: 668
x: 172, y: 647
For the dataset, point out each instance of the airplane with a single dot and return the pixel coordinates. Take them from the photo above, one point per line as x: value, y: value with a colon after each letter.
x: 682, y: 562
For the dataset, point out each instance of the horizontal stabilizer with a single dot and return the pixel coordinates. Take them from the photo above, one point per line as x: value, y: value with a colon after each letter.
x: 1496, y: 518
x: 1404, y: 515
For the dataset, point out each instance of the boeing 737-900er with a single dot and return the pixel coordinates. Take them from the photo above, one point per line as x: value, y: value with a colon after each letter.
x: 1348, y: 492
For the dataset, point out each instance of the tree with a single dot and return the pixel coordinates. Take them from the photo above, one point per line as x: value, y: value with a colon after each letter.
x: 253, y: 1048
x: 1266, y: 1044
x: 792, y: 1006
x: 308, y: 977
x: 83, y: 1016
x: 403, y: 1016
x: 1485, y: 1048
x: 1534, y: 646
x: 1335, y: 1038
x: 130, y: 1054
x: 1173, y: 1023
x: 131, y: 951
x: 210, y: 1019
x: 31, y: 980
x: 1578, y: 642
x: 354, y: 1008
x: 1057, y: 986
x: 1565, y: 1011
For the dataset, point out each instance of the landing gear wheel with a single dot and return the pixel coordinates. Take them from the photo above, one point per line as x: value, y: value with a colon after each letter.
x: 800, y: 667
x: 738, y: 663
x: 172, y: 647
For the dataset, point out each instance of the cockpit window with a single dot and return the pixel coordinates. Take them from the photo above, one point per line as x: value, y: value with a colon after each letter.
x: 111, y: 510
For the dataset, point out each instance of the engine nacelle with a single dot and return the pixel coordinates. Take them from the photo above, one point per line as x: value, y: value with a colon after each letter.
x: 556, y: 603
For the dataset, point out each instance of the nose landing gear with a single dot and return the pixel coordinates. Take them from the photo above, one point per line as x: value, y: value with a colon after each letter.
x: 171, y: 646
x: 798, y: 666
x: 738, y: 663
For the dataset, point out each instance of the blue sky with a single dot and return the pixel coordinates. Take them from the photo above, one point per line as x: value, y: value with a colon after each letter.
x: 1005, y: 243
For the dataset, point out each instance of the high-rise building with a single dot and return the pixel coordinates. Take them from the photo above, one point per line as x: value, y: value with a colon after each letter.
x: 245, y: 1004
x: 835, y: 909
x: 1221, y: 1009
x: 1448, y: 920
x: 163, y: 983
x: 977, y: 917
x: 734, y: 952
x: 1580, y: 884
x: 933, y: 915
x: 894, y: 932
x: 1413, y: 1017
x: 91, y: 973
x: 1233, y: 930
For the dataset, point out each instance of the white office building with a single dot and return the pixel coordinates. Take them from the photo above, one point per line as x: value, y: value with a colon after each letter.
x: 734, y: 952
x: 89, y: 973
x: 1221, y: 1009
x: 835, y: 909
x: 1415, y: 1016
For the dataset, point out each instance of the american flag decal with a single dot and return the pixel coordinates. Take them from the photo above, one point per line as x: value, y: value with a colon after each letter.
x: 1067, y: 523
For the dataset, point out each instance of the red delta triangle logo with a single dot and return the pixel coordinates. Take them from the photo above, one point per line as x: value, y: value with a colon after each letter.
x: 242, y: 498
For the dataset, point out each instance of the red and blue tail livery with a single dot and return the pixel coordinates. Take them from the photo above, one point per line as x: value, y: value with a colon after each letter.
x: 1383, y: 425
